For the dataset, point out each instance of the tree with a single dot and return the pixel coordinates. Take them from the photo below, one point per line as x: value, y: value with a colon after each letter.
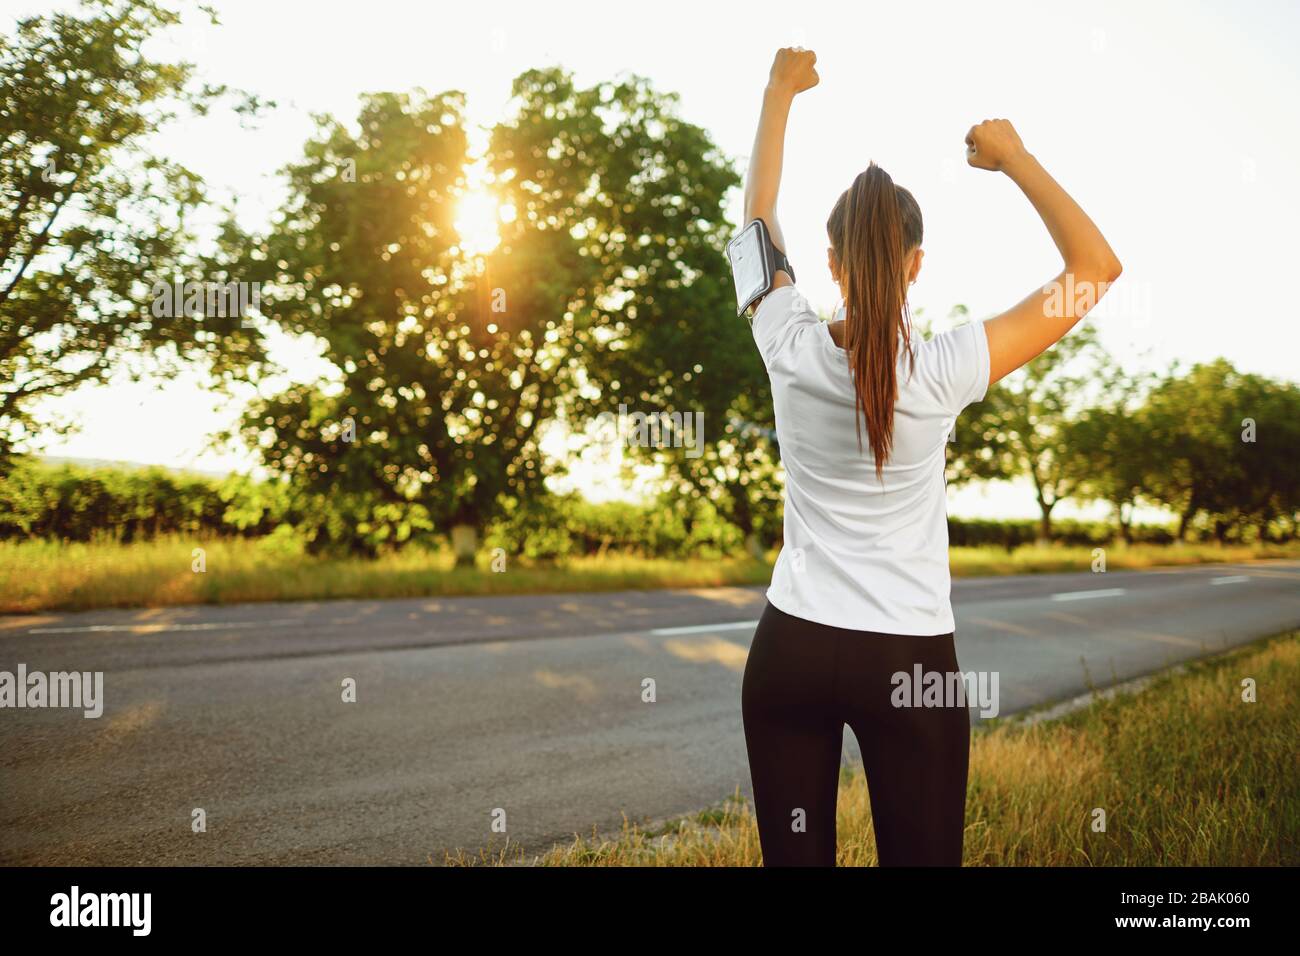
x: 1277, y: 479
x: 364, y: 258
x: 1192, y: 425
x: 669, y: 340
x: 642, y: 192
x: 447, y: 363
x: 1112, y: 451
x: 89, y: 219
x: 1023, y: 425
x: 1227, y: 440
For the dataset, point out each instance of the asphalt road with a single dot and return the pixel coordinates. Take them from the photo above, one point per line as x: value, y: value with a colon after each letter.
x: 531, y: 705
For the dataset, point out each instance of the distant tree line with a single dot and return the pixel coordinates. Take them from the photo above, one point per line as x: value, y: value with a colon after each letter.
x: 1214, y: 446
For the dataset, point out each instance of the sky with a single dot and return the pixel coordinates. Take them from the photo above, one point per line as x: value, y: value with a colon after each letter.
x: 1174, y: 124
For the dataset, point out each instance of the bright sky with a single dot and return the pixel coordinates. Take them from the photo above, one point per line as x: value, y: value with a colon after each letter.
x: 1173, y: 123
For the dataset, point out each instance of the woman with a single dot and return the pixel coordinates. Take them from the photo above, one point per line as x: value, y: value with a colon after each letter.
x: 860, y: 591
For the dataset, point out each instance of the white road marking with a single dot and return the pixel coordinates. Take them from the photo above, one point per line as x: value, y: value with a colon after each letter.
x: 705, y: 628
x: 1085, y: 595
x: 145, y: 627
x: 1230, y: 579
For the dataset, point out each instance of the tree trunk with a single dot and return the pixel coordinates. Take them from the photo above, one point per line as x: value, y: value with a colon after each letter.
x: 464, y: 543
x: 1045, y: 524
x: 1125, y: 525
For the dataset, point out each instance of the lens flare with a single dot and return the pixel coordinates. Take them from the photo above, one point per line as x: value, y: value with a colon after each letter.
x: 478, y: 216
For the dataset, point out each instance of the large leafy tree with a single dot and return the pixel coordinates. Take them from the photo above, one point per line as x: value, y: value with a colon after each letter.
x: 364, y: 258
x: 448, y: 364
x: 89, y: 218
x: 640, y: 192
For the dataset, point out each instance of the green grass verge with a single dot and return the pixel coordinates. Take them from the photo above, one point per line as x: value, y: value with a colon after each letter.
x: 1187, y: 773
x: 51, y: 576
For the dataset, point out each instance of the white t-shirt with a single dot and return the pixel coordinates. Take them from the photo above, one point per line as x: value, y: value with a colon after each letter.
x: 862, y: 553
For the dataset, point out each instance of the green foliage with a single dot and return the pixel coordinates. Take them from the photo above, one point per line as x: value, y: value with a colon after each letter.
x: 71, y: 503
x: 362, y: 259
x: 448, y: 364
x: 1022, y: 426
x: 1011, y: 534
x: 74, y: 503
x: 1113, y: 454
x: 657, y: 327
x: 556, y: 527
x: 1213, y: 445
x: 89, y: 218
x: 1225, y: 444
x: 609, y: 286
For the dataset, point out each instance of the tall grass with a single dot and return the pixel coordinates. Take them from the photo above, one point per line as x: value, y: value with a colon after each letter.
x: 43, y: 575
x: 1187, y: 773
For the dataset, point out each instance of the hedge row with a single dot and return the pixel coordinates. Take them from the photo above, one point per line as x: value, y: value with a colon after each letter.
x: 77, y: 503
x: 1013, y: 533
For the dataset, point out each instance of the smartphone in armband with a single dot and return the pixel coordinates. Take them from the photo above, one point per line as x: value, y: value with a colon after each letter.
x: 755, y: 261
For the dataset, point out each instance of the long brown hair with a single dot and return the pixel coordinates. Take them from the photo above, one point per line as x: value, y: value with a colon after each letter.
x: 872, y: 228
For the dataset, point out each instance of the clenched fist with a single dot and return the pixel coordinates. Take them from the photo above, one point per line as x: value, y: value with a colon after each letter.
x: 794, y: 70
x: 992, y: 144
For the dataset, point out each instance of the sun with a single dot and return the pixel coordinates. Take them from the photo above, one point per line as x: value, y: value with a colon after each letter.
x: 478, y: 216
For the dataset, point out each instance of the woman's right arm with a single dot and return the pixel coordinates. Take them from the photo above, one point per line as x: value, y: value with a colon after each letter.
x: 793, y: 71
x: 1028, y: 329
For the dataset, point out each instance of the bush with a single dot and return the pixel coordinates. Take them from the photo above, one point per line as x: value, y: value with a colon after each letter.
x: 74, y: 503
x: 557, y: 526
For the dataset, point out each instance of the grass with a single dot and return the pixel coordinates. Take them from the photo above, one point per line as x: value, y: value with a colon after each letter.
x: 49, y: 576
x: 1187, y: 773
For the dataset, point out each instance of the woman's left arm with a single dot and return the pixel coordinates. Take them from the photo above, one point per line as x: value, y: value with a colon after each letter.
x: 793, y: 71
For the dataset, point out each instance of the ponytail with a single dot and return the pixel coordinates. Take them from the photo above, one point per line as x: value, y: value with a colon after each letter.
x: 872, y: 228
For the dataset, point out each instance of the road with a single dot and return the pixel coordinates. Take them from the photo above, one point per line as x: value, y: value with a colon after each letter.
x: 530, y: 704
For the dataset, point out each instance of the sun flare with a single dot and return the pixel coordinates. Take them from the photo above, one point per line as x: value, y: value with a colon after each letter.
x: 478, y: 216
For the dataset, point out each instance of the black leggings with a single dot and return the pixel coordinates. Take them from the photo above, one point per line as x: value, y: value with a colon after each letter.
x: 803, y: 683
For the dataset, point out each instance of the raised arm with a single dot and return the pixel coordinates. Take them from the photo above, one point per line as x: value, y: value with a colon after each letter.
x: 793, y: 71
x: 1039, y: 321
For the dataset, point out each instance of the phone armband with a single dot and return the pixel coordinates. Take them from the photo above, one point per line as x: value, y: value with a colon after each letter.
x: 755, y: 261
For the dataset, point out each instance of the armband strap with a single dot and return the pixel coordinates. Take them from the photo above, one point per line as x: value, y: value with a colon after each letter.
x: 782, y: 264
